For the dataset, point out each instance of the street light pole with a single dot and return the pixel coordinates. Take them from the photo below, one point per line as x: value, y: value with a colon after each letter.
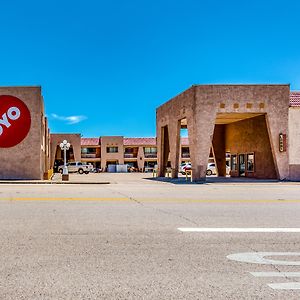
x: 65, y: 146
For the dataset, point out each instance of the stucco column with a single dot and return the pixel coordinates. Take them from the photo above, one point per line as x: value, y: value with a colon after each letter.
x: 103, y: 163
x: 277, y: 122
x: 219, y: 151
x: 140, y: 158
x: 52, y: 155
x: 200, y: 139
x: 77, y: 152
x: 174, y: 138
x: 163, y: 153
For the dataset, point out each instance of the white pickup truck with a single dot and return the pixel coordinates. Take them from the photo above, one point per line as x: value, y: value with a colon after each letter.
x: 77, y: 166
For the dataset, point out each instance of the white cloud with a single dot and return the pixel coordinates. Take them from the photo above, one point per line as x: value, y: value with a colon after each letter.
x: 70, y: 119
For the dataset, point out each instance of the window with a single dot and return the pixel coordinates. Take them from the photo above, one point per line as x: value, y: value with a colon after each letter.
x: 111, y: 149
x: 250, y: 162
x: 88, y: 150
x: 128, y: 150
x: 150, y: 150
x: 234, y: 162
x: 185, y: 152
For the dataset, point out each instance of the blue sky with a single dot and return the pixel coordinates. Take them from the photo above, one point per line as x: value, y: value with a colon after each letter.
x: 104, y: 66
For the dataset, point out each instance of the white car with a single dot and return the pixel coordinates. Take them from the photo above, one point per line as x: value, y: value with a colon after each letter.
x: 211, y: 169
x: 185, y: 167
x: 77, y: 166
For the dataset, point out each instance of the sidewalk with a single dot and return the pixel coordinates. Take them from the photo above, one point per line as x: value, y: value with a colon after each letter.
x: 57, y: 179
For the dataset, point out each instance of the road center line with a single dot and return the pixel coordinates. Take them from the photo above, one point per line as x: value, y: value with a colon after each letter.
x: 251, y: 230
x: 64, y: 199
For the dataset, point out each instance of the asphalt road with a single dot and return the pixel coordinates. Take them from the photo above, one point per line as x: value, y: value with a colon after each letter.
x: 121, y: 241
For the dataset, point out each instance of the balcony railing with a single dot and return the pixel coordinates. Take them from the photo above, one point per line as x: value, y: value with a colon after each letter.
x: 185, y: 155
x: 90, y: 155
x: 130, y: 155
x: 150, y: 155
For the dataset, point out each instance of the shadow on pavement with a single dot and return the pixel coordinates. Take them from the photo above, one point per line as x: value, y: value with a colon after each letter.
x: 183, y: 180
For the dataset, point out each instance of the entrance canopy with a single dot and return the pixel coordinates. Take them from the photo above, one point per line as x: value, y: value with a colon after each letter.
x: 241, y: 119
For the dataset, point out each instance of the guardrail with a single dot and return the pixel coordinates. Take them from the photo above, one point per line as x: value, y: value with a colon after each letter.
x: 91, y: 155
x: 130, y: 155
x: 154, y: 155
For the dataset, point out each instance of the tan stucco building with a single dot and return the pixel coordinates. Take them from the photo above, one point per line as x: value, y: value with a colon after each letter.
x: 24, y: 134
x: 255, y: 127
x: 139, y: 153
x: 251, y: 123
x: 294, y: 136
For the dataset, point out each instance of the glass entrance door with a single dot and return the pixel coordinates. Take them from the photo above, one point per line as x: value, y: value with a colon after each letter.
x: 242, y: 164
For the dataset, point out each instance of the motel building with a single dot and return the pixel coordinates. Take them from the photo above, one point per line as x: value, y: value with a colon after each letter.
x: 139, y: 154
x: 257, y: 126
x: 253, y: 129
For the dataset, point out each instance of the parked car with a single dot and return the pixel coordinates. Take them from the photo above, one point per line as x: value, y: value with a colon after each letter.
x: 77, y: 166
x: 211, y: 169
x: 185, y: 167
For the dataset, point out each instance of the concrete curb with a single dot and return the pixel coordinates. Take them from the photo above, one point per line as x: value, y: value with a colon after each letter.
x: 51, y: 182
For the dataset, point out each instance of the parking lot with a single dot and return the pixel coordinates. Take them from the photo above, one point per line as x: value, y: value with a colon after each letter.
x: 139, y: 238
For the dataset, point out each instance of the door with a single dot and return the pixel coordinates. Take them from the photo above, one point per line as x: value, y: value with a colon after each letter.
x: 242, y: 164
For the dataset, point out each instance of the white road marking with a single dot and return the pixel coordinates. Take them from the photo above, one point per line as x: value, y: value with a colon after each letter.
x: 275, y: 274
x: 254, y: 230
x: 285, y: 286
x: 259, y: 258
x: 281, y: 285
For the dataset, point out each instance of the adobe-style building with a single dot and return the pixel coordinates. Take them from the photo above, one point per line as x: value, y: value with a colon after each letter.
x: 24, y: 134
x: 294, y: 136
x: 138, y: 153
x: 254, y: 127
x: 73, y: 154
x: 257, y: 125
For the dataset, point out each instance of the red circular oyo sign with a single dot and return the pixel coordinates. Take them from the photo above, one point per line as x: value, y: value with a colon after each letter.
x: 15, y: 121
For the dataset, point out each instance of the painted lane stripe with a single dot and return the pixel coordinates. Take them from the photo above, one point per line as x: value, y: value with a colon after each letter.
x: 285, y: 286
x: 245, y: 230
x: 281, y: 285
x: 152, y: 200
x: 275, y: 274
x: 277, y: 201
x: 62, y: 199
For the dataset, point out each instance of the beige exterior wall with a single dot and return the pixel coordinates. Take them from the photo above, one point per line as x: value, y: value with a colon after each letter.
x: 294, y: 142
x: 27, y: 159
x: 141, y: 158
x: 111, y: 141
x: 251, y: 136
x: 201, y: 105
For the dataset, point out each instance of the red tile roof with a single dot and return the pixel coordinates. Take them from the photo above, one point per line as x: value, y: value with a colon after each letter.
x: 90, y: 142
x: 295, y: 99
x: 139, y: 141
x: 130, y: 141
